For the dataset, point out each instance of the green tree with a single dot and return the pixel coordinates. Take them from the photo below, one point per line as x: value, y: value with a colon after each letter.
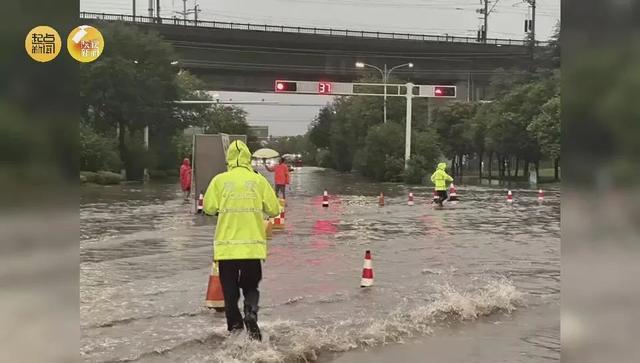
x: 508, y: 133
x: 546, y: 129
x: 425, y: 153
x: 476, y: 132
x: 350, y: 134
x: 383, y: 148
x: 225, y: 119
x: 190, y: 88
x: 547, y: 58
x: 450, y: 123
x: 97, y: 152
x: 131, y: 87
x: 504, y: 80
x: 342, y: 145
x: 320, y: 129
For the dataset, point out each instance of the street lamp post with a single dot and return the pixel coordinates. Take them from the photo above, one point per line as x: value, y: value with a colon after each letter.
x: 385, y: 77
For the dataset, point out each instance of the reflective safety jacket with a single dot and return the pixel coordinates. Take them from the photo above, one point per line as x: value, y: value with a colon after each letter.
x: 440, y: 177
x: 240, y: 197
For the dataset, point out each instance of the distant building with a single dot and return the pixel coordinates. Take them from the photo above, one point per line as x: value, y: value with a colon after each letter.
x: 261, y: 132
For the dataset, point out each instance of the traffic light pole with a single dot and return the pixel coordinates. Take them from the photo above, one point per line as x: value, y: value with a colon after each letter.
x: 486, y: 21
x: 384, y: 80
x: 347, y: 89
x: 407, y: 136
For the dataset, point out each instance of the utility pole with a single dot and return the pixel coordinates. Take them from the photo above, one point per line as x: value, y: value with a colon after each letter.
x: 158, y: 10
x: 482, y: 32
x: 196, y: 10
x: 184, y: 13
x: 151, y: 8
x: 486, y: 20
x: 385, y: 76
x: 134, y: 11
x: 407, y: 135
x: 533, y: 21
x: 530, y: 27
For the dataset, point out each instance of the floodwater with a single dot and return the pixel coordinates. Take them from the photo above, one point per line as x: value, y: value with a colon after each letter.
x: 475, y: 282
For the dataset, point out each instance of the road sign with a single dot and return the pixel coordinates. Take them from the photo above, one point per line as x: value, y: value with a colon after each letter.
x: 314, y: 87
x: 362, y: 89
x: 407, y: 91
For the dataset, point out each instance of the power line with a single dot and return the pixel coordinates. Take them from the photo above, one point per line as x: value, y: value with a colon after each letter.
x: 494, y: 6
x: 185, y: 12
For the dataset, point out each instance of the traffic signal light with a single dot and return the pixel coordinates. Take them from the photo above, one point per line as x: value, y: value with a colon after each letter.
x: 286, y: 86
x: 528, y: 26
x: 444, y: 91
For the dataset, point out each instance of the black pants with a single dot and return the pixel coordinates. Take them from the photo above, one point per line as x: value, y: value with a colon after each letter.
x: 236, y: 275
x: 281, y: 188
x: 442, y: 196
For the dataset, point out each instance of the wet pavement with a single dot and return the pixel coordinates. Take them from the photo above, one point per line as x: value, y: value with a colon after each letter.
x: 481, y: 271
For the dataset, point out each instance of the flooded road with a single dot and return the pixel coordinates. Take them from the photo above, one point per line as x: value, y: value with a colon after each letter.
x: 479, y: 274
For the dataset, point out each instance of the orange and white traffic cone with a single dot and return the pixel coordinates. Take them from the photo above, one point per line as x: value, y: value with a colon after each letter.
x: 200, y: 203
x: 381, y: 200
x: 367, y: 271
x: 540, y: 196
x: 325, y: 199
x: 215, y: 298
x: 453, y: 195
x: 410, y: 202
x: 509, y: 197
x: 278, y: 222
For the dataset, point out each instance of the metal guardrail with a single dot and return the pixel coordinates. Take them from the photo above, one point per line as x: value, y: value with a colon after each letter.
x: 298, y: 29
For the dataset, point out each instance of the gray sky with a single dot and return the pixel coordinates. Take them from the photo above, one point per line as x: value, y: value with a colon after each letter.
x: 453, y: 17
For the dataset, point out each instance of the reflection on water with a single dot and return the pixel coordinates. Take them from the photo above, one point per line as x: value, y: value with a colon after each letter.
x: 146, y: 259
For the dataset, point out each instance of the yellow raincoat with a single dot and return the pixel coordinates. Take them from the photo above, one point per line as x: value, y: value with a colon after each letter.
x: 240, y: 197
x: 440, y: 177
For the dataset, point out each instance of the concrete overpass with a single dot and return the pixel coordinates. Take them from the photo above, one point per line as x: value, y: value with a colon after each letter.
x: 249, y: 57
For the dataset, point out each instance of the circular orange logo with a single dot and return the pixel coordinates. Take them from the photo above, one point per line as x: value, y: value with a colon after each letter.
x: 85, y: 43
x: 43, y: 43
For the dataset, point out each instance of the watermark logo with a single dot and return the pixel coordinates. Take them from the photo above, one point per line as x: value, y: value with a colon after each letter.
x: 43, y: 43
x: 85, y: 43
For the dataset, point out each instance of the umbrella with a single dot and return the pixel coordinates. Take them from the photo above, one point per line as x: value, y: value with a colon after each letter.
x: 265, y: 154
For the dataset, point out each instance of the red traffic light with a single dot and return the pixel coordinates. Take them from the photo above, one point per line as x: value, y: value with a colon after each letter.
x: 444, y: 91
x: 285, y: 86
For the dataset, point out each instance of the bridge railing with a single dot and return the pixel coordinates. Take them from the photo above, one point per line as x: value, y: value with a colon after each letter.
x: 299, y: 29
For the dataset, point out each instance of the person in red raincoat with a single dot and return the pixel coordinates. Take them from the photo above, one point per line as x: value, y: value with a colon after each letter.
x: 185, y: 178
x: 282, y: 177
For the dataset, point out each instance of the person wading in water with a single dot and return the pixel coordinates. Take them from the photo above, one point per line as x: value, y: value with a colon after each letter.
x: 240, y: 197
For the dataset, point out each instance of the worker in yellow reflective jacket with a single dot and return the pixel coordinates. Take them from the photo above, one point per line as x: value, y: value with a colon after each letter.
x: 440, y: 179
x: 240, y: 197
